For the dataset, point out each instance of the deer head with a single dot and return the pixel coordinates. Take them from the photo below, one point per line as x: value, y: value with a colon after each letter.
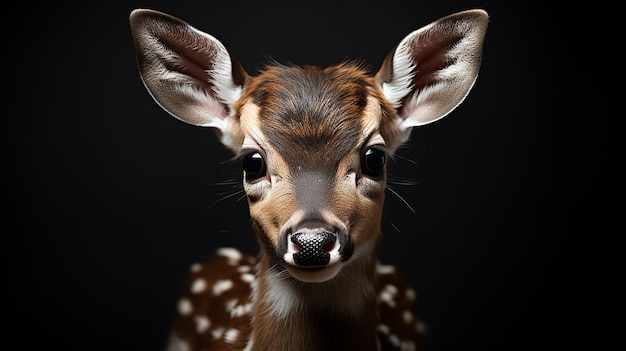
x: 313, y: 142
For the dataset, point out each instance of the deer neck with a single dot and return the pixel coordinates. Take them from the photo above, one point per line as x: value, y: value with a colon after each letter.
x: 338, y: 314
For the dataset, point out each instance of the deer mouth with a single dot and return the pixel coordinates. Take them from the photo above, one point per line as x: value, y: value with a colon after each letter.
x: 317, y: 274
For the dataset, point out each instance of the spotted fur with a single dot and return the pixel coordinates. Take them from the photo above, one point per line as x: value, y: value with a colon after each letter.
x: 215, y: 308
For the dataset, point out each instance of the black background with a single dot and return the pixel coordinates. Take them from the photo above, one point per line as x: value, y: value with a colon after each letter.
x: 108, y: 200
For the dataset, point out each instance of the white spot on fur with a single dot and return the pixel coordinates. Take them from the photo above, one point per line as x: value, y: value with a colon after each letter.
x: 217, y: 332
x: 383, y: 328
x: 388, y: 294
x: 410, y: 294
x: 240, y: 310
x: 184, y: 307
x: 230, y: 304
x: 233, y: 255
x: 420, y: 327
x: 385, y: 269
x: 394, y: 340
x: 407, y: 316
x: 231, y: 335
x: 244, y: 268
x: 247, y: 278
x: 177, y: 344
x: 202, y: 324
x: 221, y: 286
x: 198, y: 286
x: 196, y: 267
x: 407, y: 346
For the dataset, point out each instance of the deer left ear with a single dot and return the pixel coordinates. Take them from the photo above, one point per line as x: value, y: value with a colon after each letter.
x: 432, y: 69
x: 189, y: 73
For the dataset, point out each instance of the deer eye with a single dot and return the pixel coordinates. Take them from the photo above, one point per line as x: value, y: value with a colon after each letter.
x: 253, y: 165
x: 373, y: 161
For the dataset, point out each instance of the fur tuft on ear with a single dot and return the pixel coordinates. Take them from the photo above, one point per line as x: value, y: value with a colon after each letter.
x: 432, y: 69
x: 189, y: 73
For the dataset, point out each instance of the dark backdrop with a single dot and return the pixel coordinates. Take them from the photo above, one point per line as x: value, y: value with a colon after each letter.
x: 108, y: 200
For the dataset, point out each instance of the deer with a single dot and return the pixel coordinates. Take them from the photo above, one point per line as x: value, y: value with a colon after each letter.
x: 314, y: 145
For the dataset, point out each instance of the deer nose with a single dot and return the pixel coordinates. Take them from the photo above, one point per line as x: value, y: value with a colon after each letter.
x: 313, y: 246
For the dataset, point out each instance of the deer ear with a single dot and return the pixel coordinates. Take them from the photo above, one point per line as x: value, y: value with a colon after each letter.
x: 189, y: 73
x: 432, y: 69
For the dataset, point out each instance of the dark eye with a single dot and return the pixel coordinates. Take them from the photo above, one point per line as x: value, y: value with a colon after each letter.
x: 254, y: 165
x: 374, y: 159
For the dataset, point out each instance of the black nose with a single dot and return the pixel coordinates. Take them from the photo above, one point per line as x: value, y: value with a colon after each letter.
x: 314, y: 246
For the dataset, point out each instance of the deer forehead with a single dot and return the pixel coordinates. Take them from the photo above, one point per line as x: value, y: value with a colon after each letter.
x: 312, y: 117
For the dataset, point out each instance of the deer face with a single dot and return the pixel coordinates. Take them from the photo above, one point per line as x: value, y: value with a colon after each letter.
x: 314, y: 160
x: 313, y: 141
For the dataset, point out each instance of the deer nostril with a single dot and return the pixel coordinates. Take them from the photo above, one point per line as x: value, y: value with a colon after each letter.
x: 329, y: 246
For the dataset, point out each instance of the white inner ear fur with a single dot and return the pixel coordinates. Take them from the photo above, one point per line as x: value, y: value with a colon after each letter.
x: 448, y: 86
x: 222, y: 77
x: 431, y: 110
x: 403, y: 72
x: 204, y: 105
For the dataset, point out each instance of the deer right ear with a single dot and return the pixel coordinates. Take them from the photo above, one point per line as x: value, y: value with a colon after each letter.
x: 189, y: 73
x: 432, y: 69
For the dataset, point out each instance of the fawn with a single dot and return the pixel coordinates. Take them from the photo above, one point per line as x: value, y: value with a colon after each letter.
x: 314, y: 145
